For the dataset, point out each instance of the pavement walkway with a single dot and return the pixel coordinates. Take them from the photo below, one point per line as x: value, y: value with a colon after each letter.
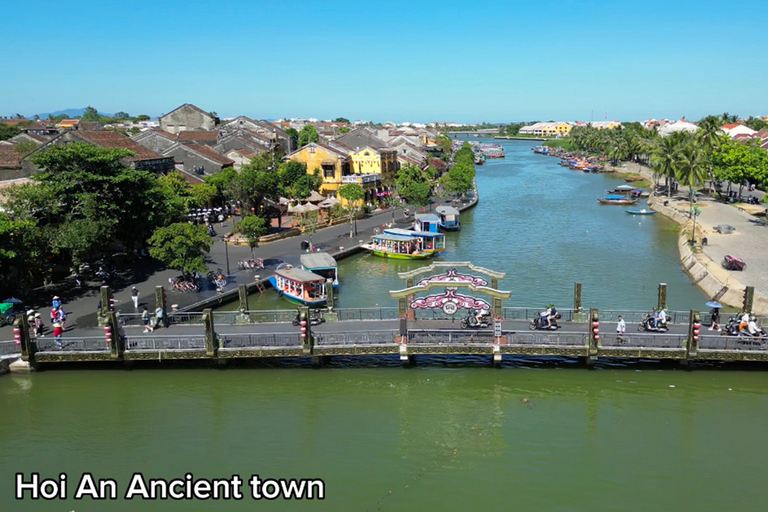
x: 749, y: 241
x: 81, y: 306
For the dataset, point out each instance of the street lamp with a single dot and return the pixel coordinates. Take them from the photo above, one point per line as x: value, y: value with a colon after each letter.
x: 226, y: 251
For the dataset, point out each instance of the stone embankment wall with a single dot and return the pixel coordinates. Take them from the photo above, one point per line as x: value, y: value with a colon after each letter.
x: 707, y: 274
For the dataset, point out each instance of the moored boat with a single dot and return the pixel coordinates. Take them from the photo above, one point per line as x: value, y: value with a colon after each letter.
x: 448, y: 218
x: 298, y: 286
x: 322, y: 264
x: 428, y: 242
x: 622, y: 200
x: 640, y: 212
x: 395, y: 247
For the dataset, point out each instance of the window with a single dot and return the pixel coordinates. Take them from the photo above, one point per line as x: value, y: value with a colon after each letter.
x: 312, y: 149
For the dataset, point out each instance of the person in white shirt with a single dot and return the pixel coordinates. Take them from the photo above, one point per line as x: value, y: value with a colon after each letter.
x: 621, y: 327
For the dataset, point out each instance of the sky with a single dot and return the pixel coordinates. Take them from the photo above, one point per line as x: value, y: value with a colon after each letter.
x: 418, y: 61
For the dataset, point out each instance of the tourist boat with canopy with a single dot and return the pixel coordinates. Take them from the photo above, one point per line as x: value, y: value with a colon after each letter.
x: 396, y: 246
x: 322, y: 264
x: 448, y: 218
x: 298, y: 286
x: 426, y: 241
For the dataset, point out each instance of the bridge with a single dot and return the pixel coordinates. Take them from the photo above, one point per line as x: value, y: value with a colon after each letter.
x: 223, y: 336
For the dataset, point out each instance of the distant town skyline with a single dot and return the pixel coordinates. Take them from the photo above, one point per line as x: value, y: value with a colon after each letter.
x: 389, y: 61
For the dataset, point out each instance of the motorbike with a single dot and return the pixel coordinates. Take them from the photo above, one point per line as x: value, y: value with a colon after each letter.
x: 314, y: 319
x: 471, y: 320
x: 647, y: 325
x: 536, y: 324
x: 732, y: 329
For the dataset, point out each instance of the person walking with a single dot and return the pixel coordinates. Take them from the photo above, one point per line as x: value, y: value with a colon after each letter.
x: 159, y: 317
x: 38, y: 325
x: 148, y: 327
x: 621, y: 327
x: 57, y: 332
x: 135, y: 297
x: 715, y: 314
x: 61, y: 317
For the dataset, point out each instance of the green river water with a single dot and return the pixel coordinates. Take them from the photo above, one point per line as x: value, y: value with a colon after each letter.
x: 449, y: 434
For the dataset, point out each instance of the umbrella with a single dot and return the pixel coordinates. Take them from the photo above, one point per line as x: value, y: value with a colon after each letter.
x: 299, y: 208
x: 315, y: 197
x: 328, y: 203
x: 713, y: 304
x: 309, y: 207
x: 13, y: 300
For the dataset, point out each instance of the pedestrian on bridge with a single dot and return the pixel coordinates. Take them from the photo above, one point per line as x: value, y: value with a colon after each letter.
x: 621, y: 327
x: 135, y: 297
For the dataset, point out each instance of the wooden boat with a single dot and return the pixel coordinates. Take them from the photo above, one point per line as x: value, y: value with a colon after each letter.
x: 396, y: 247
x: 617, y: 200
x: 322, y: 264
x: 448, y: 218
x: 632, y: 180
x: 300, y: 287
x: 640, y: 212
x: 425, y: 241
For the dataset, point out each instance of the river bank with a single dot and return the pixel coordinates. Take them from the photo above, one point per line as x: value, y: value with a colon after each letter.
x: 702, y: 262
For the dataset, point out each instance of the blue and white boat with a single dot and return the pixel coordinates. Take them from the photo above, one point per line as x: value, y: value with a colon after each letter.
x: 298, y: 286
x: 448, y: 218
x: 322, y: 264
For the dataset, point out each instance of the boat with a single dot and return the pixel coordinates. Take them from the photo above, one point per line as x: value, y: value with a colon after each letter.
x: 448, y: 218
x: 322, y: 264
x: 632, y: 180
x: 396, y: 247
x: 640, y: 212
x: 429, y: 242
x: 733, y: 263
x: 426, y: 222
x: 614, y: 199
x: 298, y: 286
x: 628, y: 190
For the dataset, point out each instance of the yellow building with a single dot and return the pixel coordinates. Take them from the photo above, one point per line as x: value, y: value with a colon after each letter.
x: 333, y: 163
x: 370, y: 160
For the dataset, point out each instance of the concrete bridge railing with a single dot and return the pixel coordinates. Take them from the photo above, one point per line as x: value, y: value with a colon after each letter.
x: 383, y: 337
x: 733, y: 343
x: 642, y: 340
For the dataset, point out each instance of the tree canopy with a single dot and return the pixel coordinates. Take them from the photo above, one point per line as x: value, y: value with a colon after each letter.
x: 414, y: 185
x: 252, y: 227
x: 181, y: 246
x: 308, y: 134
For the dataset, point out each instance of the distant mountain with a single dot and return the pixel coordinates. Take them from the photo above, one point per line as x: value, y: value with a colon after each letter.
x: 70, y: 112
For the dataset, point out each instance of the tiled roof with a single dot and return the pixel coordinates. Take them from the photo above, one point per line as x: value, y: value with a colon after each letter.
x: 190, y: 178
x: 730, y: 126
x: 191, y: 106
x: 197, y: 136
x: 110, y: 139
x: 9, y: 157
x: 14, y: 122
x: 210, y: 153
x: 89, y: 126
x: 68, y: 123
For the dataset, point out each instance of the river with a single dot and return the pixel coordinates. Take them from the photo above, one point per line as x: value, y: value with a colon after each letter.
x: 445, y: 435
x: 541, y: 224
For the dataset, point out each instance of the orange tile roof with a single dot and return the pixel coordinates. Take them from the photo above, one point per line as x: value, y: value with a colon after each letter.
x: 110, y: 139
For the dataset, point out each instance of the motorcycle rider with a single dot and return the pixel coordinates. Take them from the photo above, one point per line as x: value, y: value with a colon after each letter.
x: 480, y: 315
x: 752, y: 328
x: 548, y: 315
x: 662, y: 318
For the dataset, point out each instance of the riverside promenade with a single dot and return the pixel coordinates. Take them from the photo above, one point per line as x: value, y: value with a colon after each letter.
x: 703, y: 263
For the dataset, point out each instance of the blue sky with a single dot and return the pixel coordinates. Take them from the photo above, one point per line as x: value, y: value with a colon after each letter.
x: 389, y: 60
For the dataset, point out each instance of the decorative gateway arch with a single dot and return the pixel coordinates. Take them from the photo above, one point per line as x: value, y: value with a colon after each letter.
x: 450, y: 300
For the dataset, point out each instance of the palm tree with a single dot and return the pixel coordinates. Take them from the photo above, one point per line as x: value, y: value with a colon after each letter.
x: 693, y: 170
x: 666, y: 159
x: 711, y: 137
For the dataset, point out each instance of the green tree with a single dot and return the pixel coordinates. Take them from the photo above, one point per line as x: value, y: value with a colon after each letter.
x: 353, y: 193
x: 143, y: 117
x: 344, y: 129
x: 122, y: 116
x: 341, y: 120
x: 24, y: 147
x: 445, y: 144
x: 91, y: 115
x: 666, y: 159
x: 203, y: 195
x: 308, y: 134
x: 741, y: 163
x: 181, y: 246
x: 255, y: 183
x: 8, y: 131
x: 252, y: 227
x: 414, y: 185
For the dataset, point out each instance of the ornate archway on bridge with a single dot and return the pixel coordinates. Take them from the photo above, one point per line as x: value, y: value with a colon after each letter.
x: 450, y: 300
